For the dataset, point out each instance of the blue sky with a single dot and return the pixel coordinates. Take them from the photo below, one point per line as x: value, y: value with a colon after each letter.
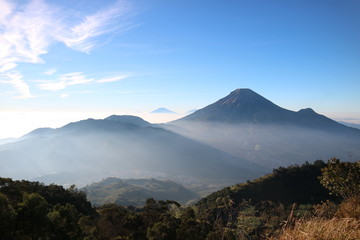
x: 68, y: 60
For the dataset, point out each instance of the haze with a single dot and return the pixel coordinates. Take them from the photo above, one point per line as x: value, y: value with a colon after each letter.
x: 63, y: 61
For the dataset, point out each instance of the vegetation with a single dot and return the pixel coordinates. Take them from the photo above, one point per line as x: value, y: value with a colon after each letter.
x: 341, y: 178
x: 290, y: 203
x: 31, y: 210
x: 134, y: 192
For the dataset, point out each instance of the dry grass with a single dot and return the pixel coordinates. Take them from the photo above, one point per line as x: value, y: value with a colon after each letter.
x: 323, y: 229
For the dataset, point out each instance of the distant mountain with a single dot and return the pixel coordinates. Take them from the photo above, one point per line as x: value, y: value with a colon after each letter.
x: 353, y: 125
x: 129, y: 120
x: 241, y: 105
x: 8, y: 140
x: 249, y: 126
x: 121, y: 146
x: 246, y: 106
x: 134, y: 192
x: 162, y: 110
x: 191, y: 111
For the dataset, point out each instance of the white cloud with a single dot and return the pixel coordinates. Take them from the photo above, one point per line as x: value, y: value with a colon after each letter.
x: 64, y: 95
x: 50, y: 71
x: 15, y: 79
x: 112, y: 79
x: 27, y: 30
x: 80, y: 36
x: 76, y: 78
x: 66, y: 80
x: 7, y: 66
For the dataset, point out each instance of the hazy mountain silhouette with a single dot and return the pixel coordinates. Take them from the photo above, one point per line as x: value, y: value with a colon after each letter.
x: 162, y: 110
x: 191, y: 111
x: 121, y: 146
x: 353, y: 125
x: 246, y: 106
x: 251, y: 127
x: 237, y: 138
x: 241, y: 105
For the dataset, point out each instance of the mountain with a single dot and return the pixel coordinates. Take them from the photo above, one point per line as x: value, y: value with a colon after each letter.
x: 129, y: 119
x: 162, y: 110
x: 135, y: 192
x: 353, y: 125
x: 249, y: 126
x: 191, y: 111
x: 246, y: 106
x: 7, y: 140
x: 121, y: 146
x: 241, y: 105
x: 288, y: 185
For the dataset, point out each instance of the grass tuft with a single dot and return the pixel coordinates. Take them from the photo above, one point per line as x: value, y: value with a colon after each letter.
x: 323, y: 229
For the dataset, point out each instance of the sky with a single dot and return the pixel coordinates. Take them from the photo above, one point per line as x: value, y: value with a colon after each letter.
x: 63, y: 61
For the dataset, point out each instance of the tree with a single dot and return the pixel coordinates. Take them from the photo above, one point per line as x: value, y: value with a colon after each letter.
x: 64, y: 222
x: 341, y: 178
x: 189, y: 228
x: 7, y: 218
x: 32, y: 216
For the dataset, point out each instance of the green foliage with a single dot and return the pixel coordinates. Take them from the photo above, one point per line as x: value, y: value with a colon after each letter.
x: 163, y: 230
x: 341, y: 178
x: 134, y: 192
x: 33, y: 214
x: 7, y: 218
x: 259, y: 208
x: 254, y: 210
x: 30, y: 210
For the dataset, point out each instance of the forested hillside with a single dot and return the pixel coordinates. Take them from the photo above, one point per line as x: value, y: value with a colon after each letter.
x: 284, y: 203
x: 134, y: 192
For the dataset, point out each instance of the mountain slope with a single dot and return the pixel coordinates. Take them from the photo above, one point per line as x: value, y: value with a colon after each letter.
x: 122, y: 146
x: 292, y: 184
x: 353, y: 125
x: 162, y: 110
x: 134, y: 192
x: 246, y: 106
x: 251, y: 127
x: 241, y: 105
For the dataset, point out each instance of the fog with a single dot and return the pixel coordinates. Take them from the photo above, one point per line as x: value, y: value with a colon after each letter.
x: 87, y: 151
x: 273, y: 145
x: 200, y: 155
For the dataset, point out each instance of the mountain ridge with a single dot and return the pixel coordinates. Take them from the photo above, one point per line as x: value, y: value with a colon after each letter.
x: 112, y: 146
x: 163, y: 110
x: 135, y: 191
x: 249, y: 126
x: 243, y: 105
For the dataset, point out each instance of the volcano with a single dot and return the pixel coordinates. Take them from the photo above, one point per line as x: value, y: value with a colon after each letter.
x: 251, y: 127
x: 246, y: 106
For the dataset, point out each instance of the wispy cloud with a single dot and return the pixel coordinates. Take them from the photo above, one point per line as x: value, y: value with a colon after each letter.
x: 76, y: 78
x: 16, y: 80
x: 64, y: 95
x: 112, y: 79
x: 50, y: 71
x: 66, y: 80
x: 27, y: 30
x: 81, y: 36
